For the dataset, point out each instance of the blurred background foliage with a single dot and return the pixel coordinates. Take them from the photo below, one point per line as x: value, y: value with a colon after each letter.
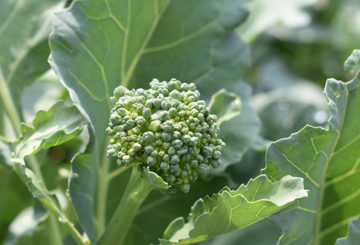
x: 296, y: 45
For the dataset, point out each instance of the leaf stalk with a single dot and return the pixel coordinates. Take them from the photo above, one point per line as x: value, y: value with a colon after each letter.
x: 9, y: 106
x: 135, y: 193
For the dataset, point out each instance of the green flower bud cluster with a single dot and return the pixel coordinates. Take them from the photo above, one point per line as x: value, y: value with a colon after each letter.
x: 166, y: 128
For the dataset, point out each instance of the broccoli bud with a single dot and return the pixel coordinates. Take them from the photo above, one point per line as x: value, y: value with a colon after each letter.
x: 165, y: 128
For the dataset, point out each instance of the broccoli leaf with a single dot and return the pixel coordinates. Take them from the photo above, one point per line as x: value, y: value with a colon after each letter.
x: 328, y: 160
x: 353, y: 236
x: 24, y: 28
x: 50, y: 128
x: 229, y: 210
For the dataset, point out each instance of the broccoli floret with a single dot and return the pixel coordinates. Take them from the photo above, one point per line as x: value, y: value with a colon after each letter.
x: 166, y: 128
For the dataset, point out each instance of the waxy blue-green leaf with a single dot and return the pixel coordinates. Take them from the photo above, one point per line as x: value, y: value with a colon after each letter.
x: 353, y: 235
x: 230, y: 210
x: 329, y: 161
x: 24, y: 28
x: 59, y: 124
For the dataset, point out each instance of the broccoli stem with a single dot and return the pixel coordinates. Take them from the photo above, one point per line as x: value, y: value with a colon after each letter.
x: 135, y: 193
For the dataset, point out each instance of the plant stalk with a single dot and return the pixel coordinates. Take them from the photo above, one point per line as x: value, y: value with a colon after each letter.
x: 135, y: 193
x: 55, y: 232
x: 9, y: 106
x: 103, y: 184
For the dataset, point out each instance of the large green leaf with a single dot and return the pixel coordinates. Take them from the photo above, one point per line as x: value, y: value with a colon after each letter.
x: 50, y: 128
x: 353, y: 236
x: 97, y: 45
x: 24, y: 28
x: 328, y: 160
x: 234, y: 209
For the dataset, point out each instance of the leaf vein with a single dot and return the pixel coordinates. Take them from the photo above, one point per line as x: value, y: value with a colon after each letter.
x: 347, y: 145
x: 113, y: 17
x: 183, y: 39
x: 299, y: 169
x: 84, y: 86
x: 346, y: 175
x: 341, y: 201
x: 337, y: 225
x: 143, y: 46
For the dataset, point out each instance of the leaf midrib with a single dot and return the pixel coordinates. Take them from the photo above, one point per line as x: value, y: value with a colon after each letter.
x: 125, y: 76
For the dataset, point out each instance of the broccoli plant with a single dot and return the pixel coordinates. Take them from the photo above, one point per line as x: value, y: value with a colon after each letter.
x: 95, y: 150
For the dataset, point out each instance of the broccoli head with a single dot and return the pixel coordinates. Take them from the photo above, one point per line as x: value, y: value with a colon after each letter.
x: 166, y: 128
